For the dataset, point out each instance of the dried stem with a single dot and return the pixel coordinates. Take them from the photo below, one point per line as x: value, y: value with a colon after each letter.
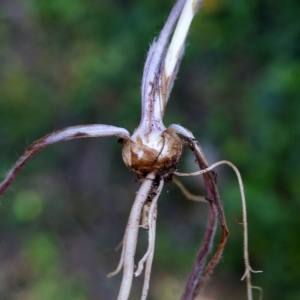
x: 69, y: 133
x: 248, y: 268
x: 195, y: 281
x: 199, y: 264
x: 215, y: 205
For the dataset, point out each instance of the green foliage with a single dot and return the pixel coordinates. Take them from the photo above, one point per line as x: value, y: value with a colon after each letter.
x: 75, y: 62
x: 27, y: 206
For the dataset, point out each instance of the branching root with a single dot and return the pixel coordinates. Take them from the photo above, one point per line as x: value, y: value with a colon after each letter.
x: 187, y: 194
x: 248, y: 268
x: 151, y: 226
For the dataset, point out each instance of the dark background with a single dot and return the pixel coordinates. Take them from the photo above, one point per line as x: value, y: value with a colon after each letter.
x: 70, y: 62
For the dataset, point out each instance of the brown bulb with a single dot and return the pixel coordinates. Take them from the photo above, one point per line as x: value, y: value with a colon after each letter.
x: 155, y: 151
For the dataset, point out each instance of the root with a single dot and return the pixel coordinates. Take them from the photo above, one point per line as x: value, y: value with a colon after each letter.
x: 131, y: 235
x: 149, y: 255
x: 145, y: 215
x: 130, y: 239
x: 187, y: 194
x: 151, y: 226
x: 261, y: 291
x: 120, y: 265
x: 248, y: 268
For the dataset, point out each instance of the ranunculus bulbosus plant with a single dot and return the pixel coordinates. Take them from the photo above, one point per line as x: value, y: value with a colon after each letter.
x: 153, y: 152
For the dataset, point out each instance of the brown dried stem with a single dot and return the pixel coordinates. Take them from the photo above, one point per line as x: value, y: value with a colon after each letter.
x: 69, y: 133
x: 196, y: 280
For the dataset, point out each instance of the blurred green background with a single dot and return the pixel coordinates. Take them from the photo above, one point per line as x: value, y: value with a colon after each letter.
x: 66, y: 63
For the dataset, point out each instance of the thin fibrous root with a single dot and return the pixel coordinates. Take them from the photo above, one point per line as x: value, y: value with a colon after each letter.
x: 145, y: 215
x: 120, y: 265
x: 152, y: 219
x: 261, y: 291
x: 120, y: 245
x: 149, y: 259
x: 151, y: 225
x: 248, y: 268
x: 131, y: 235
x: 187, y: 194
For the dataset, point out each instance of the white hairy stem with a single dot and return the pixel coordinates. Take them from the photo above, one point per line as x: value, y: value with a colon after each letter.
x: 179, y: 36
x: 69, y: 133
x: 188, y: 134
x: 153, y: 102
x: 80, y: 131
x: 248, y: 268
x: 131, y: 235
x: 151, y: 233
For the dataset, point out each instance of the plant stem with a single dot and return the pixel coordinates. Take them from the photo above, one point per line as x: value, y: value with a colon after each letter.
x: 199, y: 264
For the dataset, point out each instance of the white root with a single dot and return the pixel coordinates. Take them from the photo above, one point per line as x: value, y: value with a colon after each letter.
x: 151, y: 245
x: 261, y: 291
x: 151, y: 233
x: 248, y: 268
x: 187, y: 194
x: 145, y: 214
x: 120, y: 265
x: 150, y: 256
x: 131, y: 234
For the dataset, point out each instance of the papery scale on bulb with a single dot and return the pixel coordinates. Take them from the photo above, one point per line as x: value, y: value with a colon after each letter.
x: 156, y: 150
